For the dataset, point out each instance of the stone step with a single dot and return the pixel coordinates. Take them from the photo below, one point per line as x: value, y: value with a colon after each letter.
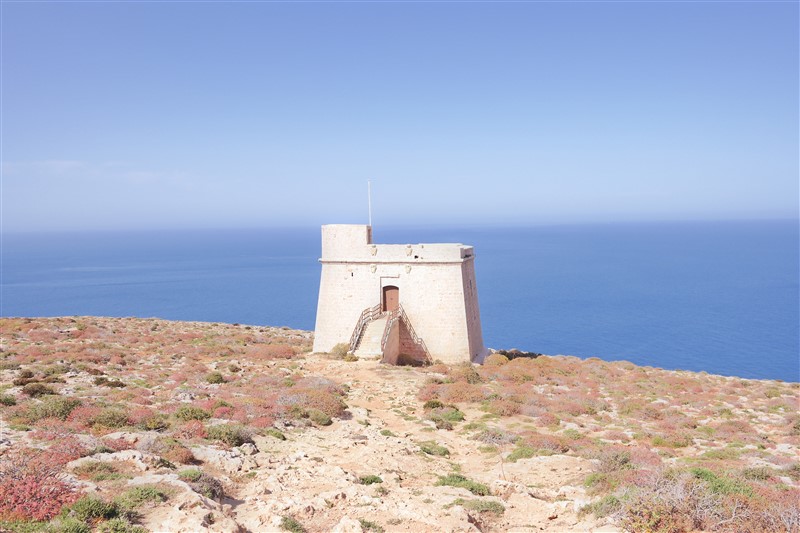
x: 370, y: 345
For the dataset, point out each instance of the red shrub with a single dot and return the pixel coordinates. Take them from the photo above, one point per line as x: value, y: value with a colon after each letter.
x: 429, y: 392
x: 262, y: 422
x: 461, y: 391
x: 31, y: 486
x: 119, y: 444
x: 547, y: 419
x: 81, y: 417
x: 191, y: 429
x: 546, y: 442
x: 503, y: 407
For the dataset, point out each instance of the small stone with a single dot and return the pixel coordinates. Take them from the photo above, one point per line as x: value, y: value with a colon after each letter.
x: 248, y: 448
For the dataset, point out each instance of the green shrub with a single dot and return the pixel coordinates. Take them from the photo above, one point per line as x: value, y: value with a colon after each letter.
x: 521, y: 452
x: 154, y: 422
x: 340, y: 350
x: 69, y: 525
x: 137, y: 496
x: 34, y: 390
x: 290, y: 524
x: 481, y: 506
x: 369, y: 480
x: 230, y: 434
x: 761, y: 473
x: 441, y: 423
x: 721, y: 453
x: 97, y: 471
x: 387, y: 433
x: 110, y: 418
x: 318, y: 417
x: 190, y: 474
x: 89, y: 508
x: 452, y: 414
x: 215, y: 378
x: 7, y: 399
x: 431, y: 448
x: 119, y: 525
x: 274, y: 433
x: 51, y: 407
x: 603, y: 507
x: 202, y: 483
x: 722, y: 485
x: 433, y: 404
x: 189, y: 412
x: 459, y: 481
x: 366, y: 525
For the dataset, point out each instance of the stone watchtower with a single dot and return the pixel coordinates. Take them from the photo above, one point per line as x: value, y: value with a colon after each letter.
x: 404, y: 303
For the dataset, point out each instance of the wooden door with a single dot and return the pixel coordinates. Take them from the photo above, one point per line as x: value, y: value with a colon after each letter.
x: 391, y: 298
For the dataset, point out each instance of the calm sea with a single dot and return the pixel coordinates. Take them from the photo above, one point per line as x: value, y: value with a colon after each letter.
x: 721, y: 297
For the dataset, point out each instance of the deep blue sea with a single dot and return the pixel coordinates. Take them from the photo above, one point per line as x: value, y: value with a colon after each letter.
x: 722, y: 297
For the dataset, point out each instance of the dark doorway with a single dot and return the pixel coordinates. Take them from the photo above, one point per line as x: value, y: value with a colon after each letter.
x: 391, y: 298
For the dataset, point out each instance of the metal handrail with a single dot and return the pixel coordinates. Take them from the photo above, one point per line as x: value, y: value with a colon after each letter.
x: 400, y: 314
x: 367, y: 315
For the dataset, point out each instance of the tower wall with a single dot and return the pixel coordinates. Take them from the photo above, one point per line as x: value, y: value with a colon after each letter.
x: 437, y: 291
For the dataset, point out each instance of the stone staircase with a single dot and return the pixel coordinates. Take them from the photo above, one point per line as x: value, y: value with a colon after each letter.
x: 370, y: 344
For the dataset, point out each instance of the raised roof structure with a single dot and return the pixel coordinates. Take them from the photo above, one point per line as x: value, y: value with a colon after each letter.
x: 404, y: 303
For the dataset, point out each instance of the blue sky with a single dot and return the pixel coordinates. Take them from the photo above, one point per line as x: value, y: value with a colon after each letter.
x: 182, y: 115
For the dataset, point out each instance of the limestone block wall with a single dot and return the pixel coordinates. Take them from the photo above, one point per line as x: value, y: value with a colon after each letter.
x: 436, y: 282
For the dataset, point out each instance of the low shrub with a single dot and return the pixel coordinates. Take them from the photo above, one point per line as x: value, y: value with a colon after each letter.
x: 7, y: 400
x: 367, y: 525
x: 97, y: 471
x: 521, y: 452
x: 189, y: 412
x: 34, y: 390
x: 459, y: 481
x: 173, y: 451
x: 290, y: 524
x: 230, y: 434
x: 119, y: 525
x: 51, y: 407
x: 32, y: 486
x: 603, y: 507
x: 153, y: 422
x: 318, y: 417
x: 110, y: 418
x: 340, y: 350
x: 481, y: 506
x: 202, y: 483
x: 137, y: 496
x: 89, y: 508
x: 722, y: 484
x: 370, y: 479
x: 274, y: 433
x: 432, y: 404
x: 431, y: 448
x: 215, y: 378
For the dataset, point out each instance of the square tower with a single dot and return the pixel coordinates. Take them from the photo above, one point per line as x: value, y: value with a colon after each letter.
x: 404, y: 303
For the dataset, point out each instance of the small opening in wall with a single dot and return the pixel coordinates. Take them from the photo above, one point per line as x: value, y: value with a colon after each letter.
x: 416, y: 257
x: 351, y: 274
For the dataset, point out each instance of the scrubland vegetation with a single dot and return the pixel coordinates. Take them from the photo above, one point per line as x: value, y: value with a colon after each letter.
x: 108, y: 422
x: 77, y: 387
x: 674, y: 451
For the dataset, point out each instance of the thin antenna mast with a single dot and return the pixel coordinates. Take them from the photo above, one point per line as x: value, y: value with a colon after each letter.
x: 369, y: 200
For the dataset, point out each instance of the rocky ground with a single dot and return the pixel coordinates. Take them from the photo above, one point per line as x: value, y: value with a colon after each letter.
x: 175, y: 426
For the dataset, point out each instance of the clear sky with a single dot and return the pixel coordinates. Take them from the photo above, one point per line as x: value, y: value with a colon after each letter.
x: 126, y: 115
